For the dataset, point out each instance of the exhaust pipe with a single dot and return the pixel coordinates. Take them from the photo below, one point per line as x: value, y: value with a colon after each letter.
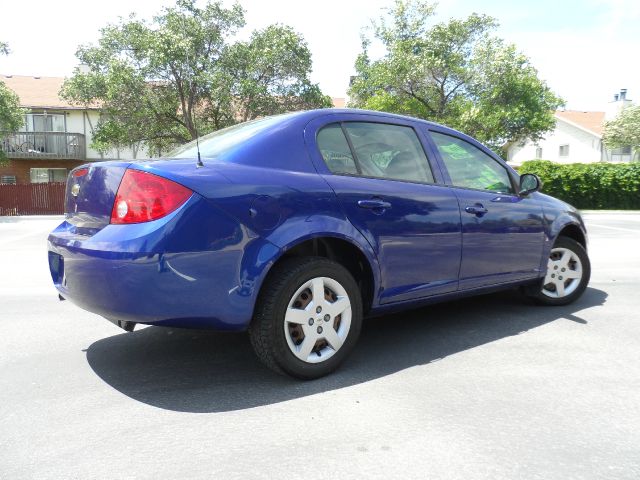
x: 125, y: 325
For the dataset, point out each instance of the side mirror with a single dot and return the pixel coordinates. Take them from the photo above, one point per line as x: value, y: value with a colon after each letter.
x: 529, y: 183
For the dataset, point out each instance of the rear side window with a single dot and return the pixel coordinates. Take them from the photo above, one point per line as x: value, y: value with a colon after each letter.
x: 377, y: 150
x: 222, y: 141
x: 470, y: 167
x: 335, y: 150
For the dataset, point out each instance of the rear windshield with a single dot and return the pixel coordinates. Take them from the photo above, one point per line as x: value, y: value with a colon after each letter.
x: 220, y: 141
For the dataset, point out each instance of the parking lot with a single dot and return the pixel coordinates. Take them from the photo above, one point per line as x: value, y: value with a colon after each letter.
x: 488, y: 387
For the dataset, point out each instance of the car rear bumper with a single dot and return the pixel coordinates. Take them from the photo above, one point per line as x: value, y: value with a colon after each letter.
x: 150, y: 273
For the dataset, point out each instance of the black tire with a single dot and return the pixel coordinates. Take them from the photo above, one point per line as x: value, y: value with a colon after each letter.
x: 536, y: 291
x: 267, y: 330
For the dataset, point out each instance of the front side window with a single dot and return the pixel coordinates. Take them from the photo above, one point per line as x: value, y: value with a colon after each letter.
x: 470, y: 167
x: 377, y: 150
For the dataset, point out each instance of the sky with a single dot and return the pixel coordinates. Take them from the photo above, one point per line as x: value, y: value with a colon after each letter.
x: 585, y: 50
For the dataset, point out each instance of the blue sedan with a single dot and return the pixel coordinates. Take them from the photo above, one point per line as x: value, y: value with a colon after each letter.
x: 296, y: 227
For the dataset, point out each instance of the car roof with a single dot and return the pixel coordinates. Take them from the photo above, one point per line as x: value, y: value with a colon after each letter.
x: 312, y: 114
x: 304, y: 117
x: 288, y: 143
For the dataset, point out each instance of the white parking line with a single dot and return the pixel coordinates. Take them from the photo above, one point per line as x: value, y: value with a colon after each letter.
x: 589, y: 224
x: 626, y: 218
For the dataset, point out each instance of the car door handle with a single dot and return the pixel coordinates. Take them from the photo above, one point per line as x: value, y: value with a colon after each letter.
x: 374, y: 204
x: 477, y: 209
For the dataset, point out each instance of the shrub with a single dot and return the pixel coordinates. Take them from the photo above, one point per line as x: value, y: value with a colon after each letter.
x: 590, y: 185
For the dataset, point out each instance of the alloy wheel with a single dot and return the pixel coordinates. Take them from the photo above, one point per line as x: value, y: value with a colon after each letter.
x: 564, y: 273
x: 317, y: 320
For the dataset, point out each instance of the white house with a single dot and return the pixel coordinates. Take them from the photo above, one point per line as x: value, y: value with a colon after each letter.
x: 56, y: 135
x: 577, y: 138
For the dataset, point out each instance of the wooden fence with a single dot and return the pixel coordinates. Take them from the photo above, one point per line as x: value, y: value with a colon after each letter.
x: 32, y: 199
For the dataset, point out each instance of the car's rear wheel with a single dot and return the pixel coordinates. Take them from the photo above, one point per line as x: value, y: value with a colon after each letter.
x: 308, y: 317
x: 568, y: 273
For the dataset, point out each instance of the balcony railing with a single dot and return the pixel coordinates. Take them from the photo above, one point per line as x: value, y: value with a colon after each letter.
x: 43, y: 145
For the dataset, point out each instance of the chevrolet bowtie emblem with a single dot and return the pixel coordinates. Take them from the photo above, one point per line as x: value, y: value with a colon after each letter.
x: 75, y: 190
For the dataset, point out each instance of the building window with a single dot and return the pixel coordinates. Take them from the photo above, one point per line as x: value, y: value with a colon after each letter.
x: 48, y: 175
x: 622, y: 154
x: 43, y: 133
x: 45, y: 122
x: 564, y: 150
x: 538, y: 153
x: 8, y: 180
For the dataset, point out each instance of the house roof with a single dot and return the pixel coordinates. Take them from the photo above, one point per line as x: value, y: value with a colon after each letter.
x: 38, y: 92
x: 338, y: 102
x: 592, y: 122
x: 43, y: 92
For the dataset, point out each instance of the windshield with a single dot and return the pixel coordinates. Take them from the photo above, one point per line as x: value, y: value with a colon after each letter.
x: 220, y: 141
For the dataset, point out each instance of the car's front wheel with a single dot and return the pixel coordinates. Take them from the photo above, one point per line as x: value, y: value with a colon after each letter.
x: 308, y: 317
x: 568, y: 273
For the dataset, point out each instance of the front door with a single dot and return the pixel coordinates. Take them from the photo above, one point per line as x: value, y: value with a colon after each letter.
x: 385, y: 185
x: 502, y: 232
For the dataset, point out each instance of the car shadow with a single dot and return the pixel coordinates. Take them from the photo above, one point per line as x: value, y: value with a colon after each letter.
x: 204, y: 371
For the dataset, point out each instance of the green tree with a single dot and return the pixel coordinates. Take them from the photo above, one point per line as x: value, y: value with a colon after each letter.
x: 455, y: 72
x: 11, y: 115
x: 624, y: 130
x: 271, y: 73
x: 164, y: 81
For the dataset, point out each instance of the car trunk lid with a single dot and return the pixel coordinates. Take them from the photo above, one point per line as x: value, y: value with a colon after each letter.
x: 90, y: 193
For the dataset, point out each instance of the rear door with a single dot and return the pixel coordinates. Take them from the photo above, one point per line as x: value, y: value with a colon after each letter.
x: 502, y: 232
x: 387, y: 189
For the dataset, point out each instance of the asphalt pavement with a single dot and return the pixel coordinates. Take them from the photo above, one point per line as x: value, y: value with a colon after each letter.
x: 484, y: 388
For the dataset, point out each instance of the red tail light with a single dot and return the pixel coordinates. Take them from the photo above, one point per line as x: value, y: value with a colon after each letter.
x: 143, y: 197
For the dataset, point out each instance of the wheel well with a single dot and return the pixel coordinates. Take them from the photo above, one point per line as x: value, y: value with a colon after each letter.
x: 344, y: 253
x: 573, y: 232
